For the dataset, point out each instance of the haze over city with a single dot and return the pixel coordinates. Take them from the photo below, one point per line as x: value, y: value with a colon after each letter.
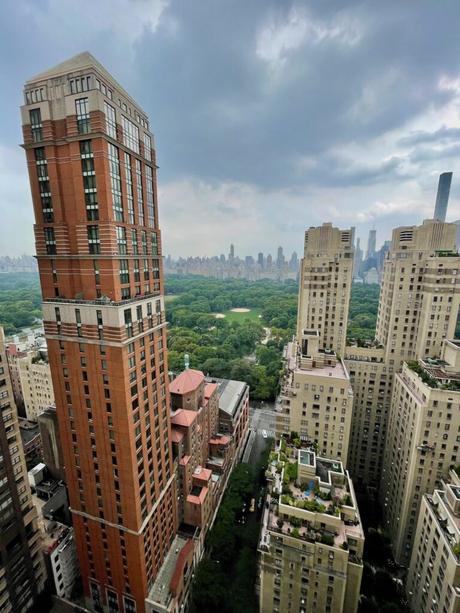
x: 302, y: 111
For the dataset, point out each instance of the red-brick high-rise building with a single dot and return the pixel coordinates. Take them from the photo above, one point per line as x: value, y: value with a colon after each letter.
x: 91, y: 161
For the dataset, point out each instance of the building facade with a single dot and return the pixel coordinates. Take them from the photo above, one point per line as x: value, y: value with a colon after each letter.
x: 92, y: 169
x: 311, y: 542
x: 418, y: 306
x: 61, y: 558
x: 326, y: 274
x: 22, y: 569
x: 35, y: 384
x: 204, y: 455
x: 419, y: 300
x: 316, y: 399
x: 433, y: 582
x: 371, y: 380
x: 422, y: 441
x: 233, y: 412
x: 51, y: 443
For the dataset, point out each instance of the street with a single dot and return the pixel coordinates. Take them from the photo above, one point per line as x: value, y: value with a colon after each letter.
x: 261, y: 419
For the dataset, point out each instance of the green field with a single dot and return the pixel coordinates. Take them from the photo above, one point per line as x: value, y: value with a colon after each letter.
x: 170, y: 297
x: 253, y: 315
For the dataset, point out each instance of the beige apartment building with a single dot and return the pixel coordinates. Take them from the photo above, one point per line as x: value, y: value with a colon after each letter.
x: 36, y: 384
x: 312, y: 540
x: 419, y: 300
x: 422, y: 441
x: 433, y: 582
x: 316, y: 399
x: 371, y: 379
x: 418, y: 306
x: 22, y: 568
x: 326, y: 275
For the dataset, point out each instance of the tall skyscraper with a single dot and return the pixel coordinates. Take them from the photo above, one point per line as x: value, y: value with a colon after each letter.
x: 260, y: 259
x: 22, y: 567
x: 326, y: 274
x: 231, y: 255
x: 422, y: 441
x: 371, y: 244
x: 442, y: 196
x: 280, y: 258
x: 417, y: 310
x: 358, y: 258
x: 418, y: 307
x: 294, y: 262
x: 92, y: 168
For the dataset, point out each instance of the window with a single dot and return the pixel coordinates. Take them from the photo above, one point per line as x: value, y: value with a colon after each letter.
x: 93, y: 239
x: 110, y: 120
x: 96, y: 272
x: 140, y: 197
x: 36, y: 125
x: 130, y: 134
x: 128, y: 323
x: 82, y: 84
x: 82, y: 112
x: 134, y: 246
x: 115, y: 180
x: 147, y: 147
x: 44, y: 186
x: 129, y: 188
x: 150, y: 204
x: 124, y: 271
x: 36, y: 95
x: 154, y: 244
x: 136, y: 271
x: 89, y: 180
x: 121, y: 240
x: 50, y: 241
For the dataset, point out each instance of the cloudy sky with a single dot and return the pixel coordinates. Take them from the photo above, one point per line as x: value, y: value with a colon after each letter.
x: 269, y: 116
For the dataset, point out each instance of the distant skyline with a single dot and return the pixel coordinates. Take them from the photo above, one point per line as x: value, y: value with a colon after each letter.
x: 269, y: 116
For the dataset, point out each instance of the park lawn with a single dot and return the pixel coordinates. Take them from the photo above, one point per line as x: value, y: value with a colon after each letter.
x: 170, y: 297
x: 253, y: 315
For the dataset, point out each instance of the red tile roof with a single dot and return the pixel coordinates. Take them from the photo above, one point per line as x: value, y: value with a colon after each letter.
x: 210, y: 389
x: 186, y: 382
x: 183, y: 417
x: 198, y: 499
x: 204, y: 474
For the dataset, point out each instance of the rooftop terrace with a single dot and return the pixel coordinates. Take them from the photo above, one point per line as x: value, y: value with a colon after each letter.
x: 433, y: 372
x: 312, y: 498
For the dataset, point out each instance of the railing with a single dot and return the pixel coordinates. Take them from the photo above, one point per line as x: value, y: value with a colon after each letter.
x: 103, y: 301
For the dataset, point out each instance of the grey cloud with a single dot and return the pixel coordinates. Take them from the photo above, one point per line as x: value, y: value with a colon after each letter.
x: 428, y: 154
x: 421, y: 136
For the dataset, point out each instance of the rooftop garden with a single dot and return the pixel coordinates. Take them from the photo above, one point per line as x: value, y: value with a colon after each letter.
x: 421, y: 372
x: 431, y: 381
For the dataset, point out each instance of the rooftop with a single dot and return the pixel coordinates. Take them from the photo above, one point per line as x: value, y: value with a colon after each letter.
x: 160, y: 592
x: 81, y: 61
x: 183, y: 417
x: 434, y: 373
x: 230, y: 394
x: 188, y: 381
x: 312, y: 498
